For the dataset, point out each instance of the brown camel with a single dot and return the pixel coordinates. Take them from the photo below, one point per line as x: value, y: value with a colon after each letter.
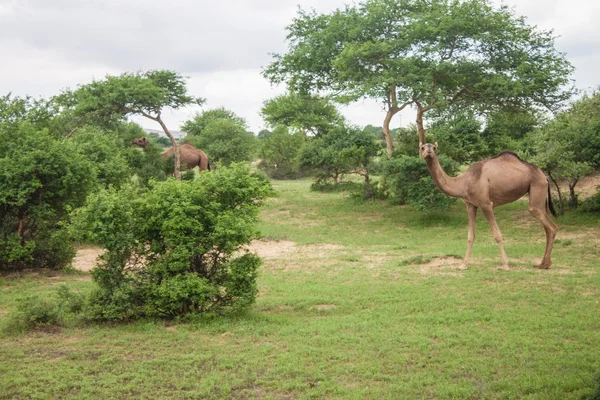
x: 190, y: 156
x: 489, y: 183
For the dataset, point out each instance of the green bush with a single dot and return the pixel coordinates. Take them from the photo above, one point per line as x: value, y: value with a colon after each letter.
x: 407, y: 180
x: 39, y: 311
x: 279, y: 154
x: 176, y: 249
x: 591, y: 204
x: 41, y: 179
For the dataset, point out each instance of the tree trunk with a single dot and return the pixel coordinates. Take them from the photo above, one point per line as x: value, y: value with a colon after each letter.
x: 573, y: 199
x: 561, y: 206
x: 420, y: 127
x: 386, y: 131
x: 177, y: 169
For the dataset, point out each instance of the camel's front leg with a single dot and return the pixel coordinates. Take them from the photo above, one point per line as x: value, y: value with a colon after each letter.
x: 472, y: 213
x: 489, y: 215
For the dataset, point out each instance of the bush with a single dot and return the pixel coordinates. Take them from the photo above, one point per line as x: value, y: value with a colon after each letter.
x: 176, y: 249
x: 41, y: 179
x: 595, y: 393
x: 408, y: 181
x: 279, y: 154
x: 37, y: 311
x: 591, y: 204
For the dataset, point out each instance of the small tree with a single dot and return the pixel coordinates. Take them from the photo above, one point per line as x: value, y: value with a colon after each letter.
x: 178, y: 248
x: 569, y: 146
x: 303, y: 112
x: 279, y: 153
x: 225, y: 141
x: 141, y: 93
x: 341, y: 151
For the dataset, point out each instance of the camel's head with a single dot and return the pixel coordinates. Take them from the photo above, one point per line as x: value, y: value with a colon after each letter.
x: 140, y: 142
x: 427, y: 150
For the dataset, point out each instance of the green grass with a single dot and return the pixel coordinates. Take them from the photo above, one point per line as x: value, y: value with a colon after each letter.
x: 356, y: 308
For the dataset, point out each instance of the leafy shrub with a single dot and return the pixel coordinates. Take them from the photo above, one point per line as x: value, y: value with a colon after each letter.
x: 342, y: 150
x: 408, y: 181
x: 279, y: 154
x: 591, y: 204
x: 41, y: 179
x: 177, y: 248
x: 39, y: 311
x: 595, y: 393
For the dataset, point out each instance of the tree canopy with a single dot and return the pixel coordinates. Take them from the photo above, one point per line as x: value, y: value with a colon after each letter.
x: 141, y: 93
x: 429, y: 55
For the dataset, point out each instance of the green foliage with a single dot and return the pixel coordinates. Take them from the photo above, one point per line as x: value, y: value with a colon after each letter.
x: 175, y: 249
x: 200, y: 121
x: 340, y: 151
x: 143, y: 93
x: 41, y: 179
x: 435, y: 55
x: 408, y: 181
x: 595, y: 393
x: 568, y: 147
x: 461, y: 135
x: 40, y: 311
x: 106, y: 152
x: 225, y: 141
x: 591, y: 204
x: 279, y: 152
x: 304, y: 112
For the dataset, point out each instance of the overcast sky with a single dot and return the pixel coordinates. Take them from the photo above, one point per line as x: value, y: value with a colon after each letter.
x: 222, y: 46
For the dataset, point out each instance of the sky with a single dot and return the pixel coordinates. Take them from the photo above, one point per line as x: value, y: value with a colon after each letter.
x: 221, y: 46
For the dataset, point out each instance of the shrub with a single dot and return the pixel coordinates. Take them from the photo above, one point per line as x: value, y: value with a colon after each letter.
x: 41, y: 179
x: 38, y: 311
x: 279, y: 154
x: 177, y: 248
x: 591, y: 204
x: 408, y: 181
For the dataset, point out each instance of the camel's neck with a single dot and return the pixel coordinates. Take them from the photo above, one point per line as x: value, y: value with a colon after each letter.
x: 452, y: 186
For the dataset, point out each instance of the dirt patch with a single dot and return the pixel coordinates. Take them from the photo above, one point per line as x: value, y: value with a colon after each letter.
x: 86, y: 258
x: 271, y: 248
x: 449, y: 265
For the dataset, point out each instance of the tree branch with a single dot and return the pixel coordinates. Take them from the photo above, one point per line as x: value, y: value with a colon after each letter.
x: 449, y: 56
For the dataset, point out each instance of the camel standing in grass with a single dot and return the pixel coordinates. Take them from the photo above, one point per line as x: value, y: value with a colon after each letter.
x: 489, y: 183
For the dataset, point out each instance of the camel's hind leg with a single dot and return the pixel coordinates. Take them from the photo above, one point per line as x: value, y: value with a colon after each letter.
x: 538, y: 195
x: 488, y: 211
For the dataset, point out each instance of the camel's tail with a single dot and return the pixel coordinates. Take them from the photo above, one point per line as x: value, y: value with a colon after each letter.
x: 209, y: 165
x: 549, y: 200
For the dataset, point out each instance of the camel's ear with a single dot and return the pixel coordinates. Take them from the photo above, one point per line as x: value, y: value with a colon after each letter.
x: 435, y: 145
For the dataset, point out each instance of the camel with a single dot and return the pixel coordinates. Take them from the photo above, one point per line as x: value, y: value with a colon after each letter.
x: 190, y: 156
x: 493, y: 182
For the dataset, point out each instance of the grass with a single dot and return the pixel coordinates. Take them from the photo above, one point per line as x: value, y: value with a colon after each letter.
x: 366, y: 303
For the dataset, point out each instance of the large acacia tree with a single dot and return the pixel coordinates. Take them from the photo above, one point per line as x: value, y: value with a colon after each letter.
x: 141, y: 93
x: 427, y: 54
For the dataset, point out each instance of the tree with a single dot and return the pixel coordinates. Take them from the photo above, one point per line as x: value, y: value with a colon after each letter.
x: 569, y: 146
x: 430, y: 55
x: 461, y: 135
x: 141, y: 93
x: 222, y: 135
x: 200, y: 121
x: 279, y: 153
x: 310, y: 114
x: 341, y: 151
